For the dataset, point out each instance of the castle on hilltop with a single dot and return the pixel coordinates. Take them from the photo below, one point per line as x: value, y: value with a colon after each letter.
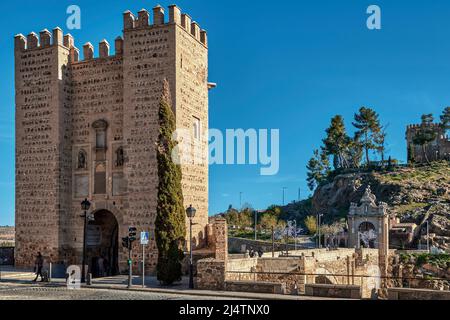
x: 87, y: 128
x: 439, y: 149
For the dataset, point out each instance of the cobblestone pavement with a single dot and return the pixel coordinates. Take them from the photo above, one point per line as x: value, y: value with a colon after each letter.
x: 36, y: 292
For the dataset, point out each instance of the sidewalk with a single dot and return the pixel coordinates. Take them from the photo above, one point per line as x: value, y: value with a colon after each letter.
x: 151, y: 285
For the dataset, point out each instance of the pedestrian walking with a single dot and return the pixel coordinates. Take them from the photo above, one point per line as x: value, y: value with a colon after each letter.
x: 38, y: 264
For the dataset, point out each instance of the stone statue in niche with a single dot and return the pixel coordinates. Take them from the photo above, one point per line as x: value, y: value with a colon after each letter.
x: 82, y: 160
x: 120, y: 157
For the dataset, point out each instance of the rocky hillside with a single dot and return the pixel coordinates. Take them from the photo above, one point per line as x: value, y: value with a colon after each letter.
x: 413, y: 194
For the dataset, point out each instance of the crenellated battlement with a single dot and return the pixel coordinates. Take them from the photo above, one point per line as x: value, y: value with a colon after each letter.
x: 46, y: 39
x: 142, y: 20
x: 417, y: 126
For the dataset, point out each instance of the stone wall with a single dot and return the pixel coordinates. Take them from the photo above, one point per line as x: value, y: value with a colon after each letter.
x: 239, y: 245
x: 333, y: 267
x: 333, y: 291
x: 417, y: 294
x: 210, y: 275
x: 255, y: 286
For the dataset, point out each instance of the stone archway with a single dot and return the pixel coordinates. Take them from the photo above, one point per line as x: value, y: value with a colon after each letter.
x: 103, y: 244
x: 367, y: 235
x: 324, y: 276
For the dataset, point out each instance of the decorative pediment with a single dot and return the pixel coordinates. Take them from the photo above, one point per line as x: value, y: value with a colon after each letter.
x: 100, y: 125
x: 368, y: 205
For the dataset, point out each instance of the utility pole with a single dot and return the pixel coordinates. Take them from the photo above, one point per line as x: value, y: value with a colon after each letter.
x: 240, y: 200
x: 273, y: 242
x: 284, y: 190
x: 256, y: 224
x: 299, y: 194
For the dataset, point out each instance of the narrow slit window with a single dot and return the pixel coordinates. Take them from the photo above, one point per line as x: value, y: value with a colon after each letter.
x: 197, y: 128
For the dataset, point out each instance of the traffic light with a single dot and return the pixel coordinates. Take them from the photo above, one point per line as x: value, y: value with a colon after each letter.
x: 132, y: 234
x: 126, y: 243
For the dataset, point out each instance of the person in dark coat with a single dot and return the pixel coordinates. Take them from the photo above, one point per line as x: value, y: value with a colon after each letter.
x: 38, y: 264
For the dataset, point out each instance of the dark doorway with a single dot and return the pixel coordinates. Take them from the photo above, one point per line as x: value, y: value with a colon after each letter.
x: 367, y: 235
x: 103, y: 245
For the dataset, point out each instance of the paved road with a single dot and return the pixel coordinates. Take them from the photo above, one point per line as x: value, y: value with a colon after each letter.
x: 36, y: 292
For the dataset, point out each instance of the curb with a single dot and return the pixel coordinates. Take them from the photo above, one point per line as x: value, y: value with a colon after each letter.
x: 221, y: 294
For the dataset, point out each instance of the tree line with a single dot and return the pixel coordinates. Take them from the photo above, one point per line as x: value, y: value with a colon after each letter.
x: 342, y: 151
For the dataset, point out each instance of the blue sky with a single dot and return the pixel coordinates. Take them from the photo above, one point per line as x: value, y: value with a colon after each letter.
x: 288, y: 65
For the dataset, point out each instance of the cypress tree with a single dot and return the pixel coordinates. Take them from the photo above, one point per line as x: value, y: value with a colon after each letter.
x: 170, y: 219
x: 337, y: 142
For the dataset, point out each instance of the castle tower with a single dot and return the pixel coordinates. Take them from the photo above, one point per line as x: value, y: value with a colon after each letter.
x: 87, y: 128
x: 42, y: 143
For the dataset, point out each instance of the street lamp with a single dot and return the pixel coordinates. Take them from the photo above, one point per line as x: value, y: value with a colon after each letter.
x: 319, y: 223
x: 190, y: 212
x: 85, y: 206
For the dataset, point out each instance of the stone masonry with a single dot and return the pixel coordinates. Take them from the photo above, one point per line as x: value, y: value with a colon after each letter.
x: 87, y: 128
x: 439, y: 149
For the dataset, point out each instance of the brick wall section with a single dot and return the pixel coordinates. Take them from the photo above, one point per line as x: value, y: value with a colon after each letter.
x: 211, y: 272
x: 333, y: 291
x: 417, y: 294
x: 210, y: 275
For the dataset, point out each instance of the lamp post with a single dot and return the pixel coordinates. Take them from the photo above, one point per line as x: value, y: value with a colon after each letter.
x: 295, y: 234
x: 319, y: 223
x: 85, y: 206
x: 256, y: 224
x: 190, y: 212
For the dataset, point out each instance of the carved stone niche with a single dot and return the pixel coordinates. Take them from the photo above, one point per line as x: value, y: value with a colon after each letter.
x: 119, y: 158
x: 100, y: 127
x: 81, y: 160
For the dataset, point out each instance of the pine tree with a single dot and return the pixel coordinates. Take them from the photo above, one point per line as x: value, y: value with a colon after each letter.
x: 337, y: 143
x: 318, y: 169
x: 380, y: 141
x: 445, y: 119
x: 425, y: 134
x: 170, y: 219
x: 368, y: 125
x: 355, y: 152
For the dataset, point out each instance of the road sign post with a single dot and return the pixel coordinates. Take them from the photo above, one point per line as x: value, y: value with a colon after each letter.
x: 144, y: 242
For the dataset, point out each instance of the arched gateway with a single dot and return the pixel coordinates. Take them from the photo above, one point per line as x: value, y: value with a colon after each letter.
x: 102, y: 240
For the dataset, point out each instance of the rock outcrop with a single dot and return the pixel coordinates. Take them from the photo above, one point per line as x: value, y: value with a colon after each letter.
x: 415, y: 195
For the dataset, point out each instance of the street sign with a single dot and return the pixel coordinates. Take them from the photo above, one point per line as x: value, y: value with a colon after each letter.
x: 144, y: 238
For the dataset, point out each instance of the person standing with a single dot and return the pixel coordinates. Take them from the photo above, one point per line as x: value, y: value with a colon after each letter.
x: 100, y: 267
x: 38, y: 264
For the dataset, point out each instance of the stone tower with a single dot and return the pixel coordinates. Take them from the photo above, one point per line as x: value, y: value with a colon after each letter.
x: 87, y: 128
x: 439, y: 149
